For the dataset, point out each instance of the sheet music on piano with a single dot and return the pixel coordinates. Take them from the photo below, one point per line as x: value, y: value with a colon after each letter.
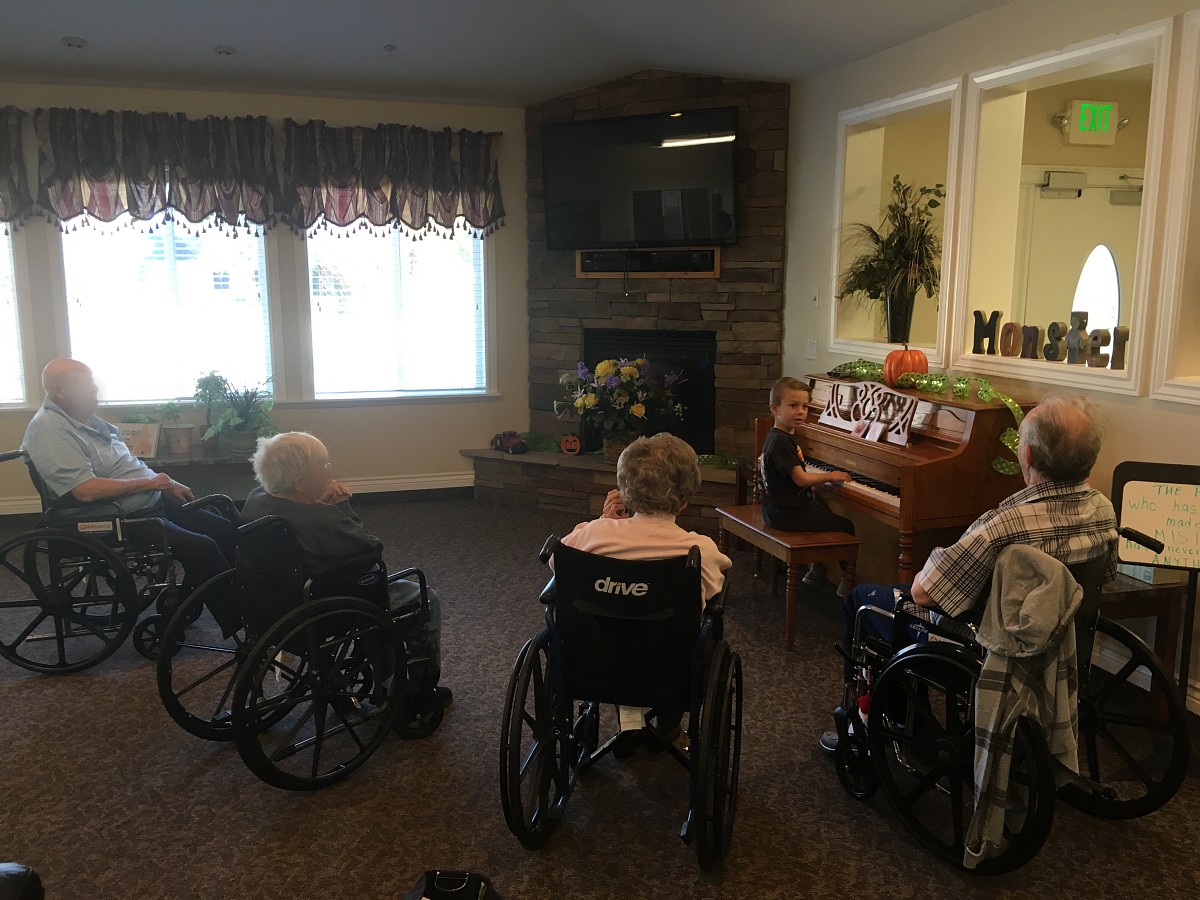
x: 928, y: 416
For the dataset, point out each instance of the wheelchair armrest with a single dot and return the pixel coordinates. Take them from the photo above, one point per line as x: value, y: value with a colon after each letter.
x: 549, y: 592
x: 11, y: 454
x: 81, y: 512
x: 548, y: 549
x: 405, y: 573
x: 219, y: 503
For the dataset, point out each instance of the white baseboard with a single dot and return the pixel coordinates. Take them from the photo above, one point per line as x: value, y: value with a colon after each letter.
x: 427, y: 482
x: 12, y: 506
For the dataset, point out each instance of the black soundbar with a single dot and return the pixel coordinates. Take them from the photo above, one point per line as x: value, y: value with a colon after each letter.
x: 596, y: 261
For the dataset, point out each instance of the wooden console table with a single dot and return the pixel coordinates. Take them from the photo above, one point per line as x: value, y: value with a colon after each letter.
x: 1128, y: 598
x: 217, y: 473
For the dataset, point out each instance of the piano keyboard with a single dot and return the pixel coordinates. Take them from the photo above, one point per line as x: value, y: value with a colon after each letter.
x: 882, y: 491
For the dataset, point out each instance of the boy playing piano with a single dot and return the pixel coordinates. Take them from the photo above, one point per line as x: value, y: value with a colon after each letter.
x: 785, y: 486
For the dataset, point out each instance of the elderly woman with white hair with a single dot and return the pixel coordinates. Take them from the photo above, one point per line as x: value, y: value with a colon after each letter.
x: 295, y: 483
x: 656, y: 477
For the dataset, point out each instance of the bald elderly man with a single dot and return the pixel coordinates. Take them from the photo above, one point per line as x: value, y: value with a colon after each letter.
x: 82, y: 458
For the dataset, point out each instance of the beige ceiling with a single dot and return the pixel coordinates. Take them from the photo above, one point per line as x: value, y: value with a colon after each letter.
x: 495, y: 51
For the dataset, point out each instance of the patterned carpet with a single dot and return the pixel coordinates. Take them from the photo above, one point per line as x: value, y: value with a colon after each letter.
x: 106, y: 797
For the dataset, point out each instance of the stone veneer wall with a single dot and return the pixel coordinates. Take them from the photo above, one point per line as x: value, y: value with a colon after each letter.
x: 744, y: 306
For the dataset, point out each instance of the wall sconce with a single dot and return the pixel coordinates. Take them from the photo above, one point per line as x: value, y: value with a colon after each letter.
x: 1096, y: 122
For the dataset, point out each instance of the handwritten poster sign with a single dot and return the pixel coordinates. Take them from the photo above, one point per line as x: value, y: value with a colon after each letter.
x: 1162, y: 501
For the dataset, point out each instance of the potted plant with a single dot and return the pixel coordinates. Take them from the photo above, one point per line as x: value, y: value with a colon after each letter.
x: 178, y: 435
x: 899, y: 258
x: 244, y: 418
x: 210, y: 396
x: 620, y: 399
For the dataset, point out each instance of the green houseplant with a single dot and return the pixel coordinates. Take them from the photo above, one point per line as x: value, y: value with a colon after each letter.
x: 210, y: 396
x: 178, y: 435
x: 244, y: 418
x: 898, y: 258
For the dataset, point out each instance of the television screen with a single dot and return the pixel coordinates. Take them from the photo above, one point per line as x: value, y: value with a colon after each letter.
x: 663, y: 180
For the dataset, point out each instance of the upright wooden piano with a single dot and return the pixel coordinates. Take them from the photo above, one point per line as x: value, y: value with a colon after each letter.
x: 934, y: 473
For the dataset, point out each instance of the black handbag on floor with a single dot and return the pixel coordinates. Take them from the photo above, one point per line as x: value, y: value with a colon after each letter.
x: 437, y: 884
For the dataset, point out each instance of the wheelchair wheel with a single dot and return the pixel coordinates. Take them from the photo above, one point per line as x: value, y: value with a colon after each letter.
x: 316, y: 695
x: 67, y: 601
x: 1133, y: 730
x: 197, y: 665
x: 852, y: 760
x: 420, y: 714
x: 532, y: 792
x: 147, y: 635
x: 719, y: 754
x: 921, y: 734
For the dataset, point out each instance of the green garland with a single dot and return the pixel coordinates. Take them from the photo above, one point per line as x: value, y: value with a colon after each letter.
x: 718, y: 460
x: 959, y: 386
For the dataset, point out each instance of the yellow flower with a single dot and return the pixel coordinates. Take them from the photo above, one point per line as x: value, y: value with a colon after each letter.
x: 606, y: 368
x: 589, y: 400
x: 579, y: 404
x: 639, y: 362
x: 638, y: 410
x: 629, y: 371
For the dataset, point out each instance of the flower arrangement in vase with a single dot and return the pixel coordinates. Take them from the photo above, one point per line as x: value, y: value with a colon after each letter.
x: 620, y: 399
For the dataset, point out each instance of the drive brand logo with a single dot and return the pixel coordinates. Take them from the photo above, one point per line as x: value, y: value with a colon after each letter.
x: 608, y: 586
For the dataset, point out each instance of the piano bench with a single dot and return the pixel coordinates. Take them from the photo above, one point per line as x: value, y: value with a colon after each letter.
x: 795, y: 549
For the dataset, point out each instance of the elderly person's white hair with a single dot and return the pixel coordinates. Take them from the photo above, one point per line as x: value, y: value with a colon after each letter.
x: 279, y: 460
x: 658, y: 474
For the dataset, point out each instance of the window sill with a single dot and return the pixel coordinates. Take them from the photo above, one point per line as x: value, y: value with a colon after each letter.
x: 1039, y: 372
x: 1179, y: 390
x: 388, y: 400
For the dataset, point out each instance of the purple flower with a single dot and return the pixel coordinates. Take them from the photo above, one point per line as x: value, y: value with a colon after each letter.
x: 612, y: 381
x: 603, y: 404
x: 583, y: 372
x: 670, y: 378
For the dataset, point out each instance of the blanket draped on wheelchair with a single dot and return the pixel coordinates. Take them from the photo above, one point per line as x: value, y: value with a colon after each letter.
x: 1028, y: 631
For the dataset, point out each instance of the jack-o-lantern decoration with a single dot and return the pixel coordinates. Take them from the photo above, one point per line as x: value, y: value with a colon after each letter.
x: 900, y: 361
x: 569, y: 444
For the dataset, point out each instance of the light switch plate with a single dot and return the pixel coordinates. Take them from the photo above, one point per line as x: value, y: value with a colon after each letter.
x: 810, y: 349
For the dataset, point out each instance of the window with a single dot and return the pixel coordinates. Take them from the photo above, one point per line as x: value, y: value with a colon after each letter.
x: 1098, y: 291
x: 12, y: 386
x: 151, y: 311
x: 392, y: 315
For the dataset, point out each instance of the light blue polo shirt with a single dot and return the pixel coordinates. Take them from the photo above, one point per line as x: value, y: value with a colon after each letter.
x: 67, y: 452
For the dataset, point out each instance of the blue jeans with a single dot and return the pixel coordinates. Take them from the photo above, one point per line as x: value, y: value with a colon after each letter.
x: 882, y: 596
x: 202, y: 540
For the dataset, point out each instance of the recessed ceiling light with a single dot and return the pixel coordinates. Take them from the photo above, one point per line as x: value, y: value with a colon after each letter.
x: 75, y: 43
x: 389, y: 49
x: 676, y: 115
x: 224, y: 50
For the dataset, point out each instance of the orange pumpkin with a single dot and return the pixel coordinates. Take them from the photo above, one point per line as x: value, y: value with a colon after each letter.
x: 900, y: 361
x: 569, y: 444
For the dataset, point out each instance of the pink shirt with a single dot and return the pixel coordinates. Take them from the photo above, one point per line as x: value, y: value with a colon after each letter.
x: 651, y: 537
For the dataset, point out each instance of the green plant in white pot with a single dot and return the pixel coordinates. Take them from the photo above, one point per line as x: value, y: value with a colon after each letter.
x: 177, y: 435
x: 211, y: 389
x: 244, y: 419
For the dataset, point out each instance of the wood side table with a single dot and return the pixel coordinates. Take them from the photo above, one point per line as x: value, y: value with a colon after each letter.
x: 1128, y: 598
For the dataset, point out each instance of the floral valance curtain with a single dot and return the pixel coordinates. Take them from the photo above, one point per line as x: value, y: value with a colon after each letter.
x: 390, y: 175
x: 108, y: 164
x: 15, y: 200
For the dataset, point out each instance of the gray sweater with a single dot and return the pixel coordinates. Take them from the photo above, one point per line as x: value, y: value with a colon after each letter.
x: 330, y: 536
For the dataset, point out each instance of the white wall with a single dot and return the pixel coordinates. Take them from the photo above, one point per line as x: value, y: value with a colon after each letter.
x: 1139, y: 428
x: 379, y: 445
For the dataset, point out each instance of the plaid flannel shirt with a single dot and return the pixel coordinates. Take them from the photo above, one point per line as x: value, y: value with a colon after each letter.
x: 1071, y: 522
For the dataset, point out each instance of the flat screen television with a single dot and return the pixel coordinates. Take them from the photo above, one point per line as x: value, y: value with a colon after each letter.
x: 662, y: 180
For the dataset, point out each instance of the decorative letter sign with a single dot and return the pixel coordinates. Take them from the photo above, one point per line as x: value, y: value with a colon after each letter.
x: 1010, y: 339
x: 986, y: 330
x: 1075, y: 344
x: 1031, y: 339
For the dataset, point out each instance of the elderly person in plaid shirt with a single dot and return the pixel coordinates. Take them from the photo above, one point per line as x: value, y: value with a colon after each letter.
x: 1057, y: 512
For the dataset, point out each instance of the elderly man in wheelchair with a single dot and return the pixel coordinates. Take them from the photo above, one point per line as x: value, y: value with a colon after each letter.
x: 966, y: 694
x: 108, y: 521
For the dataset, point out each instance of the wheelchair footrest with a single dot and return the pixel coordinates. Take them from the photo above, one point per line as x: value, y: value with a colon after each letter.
x: 686, y: 833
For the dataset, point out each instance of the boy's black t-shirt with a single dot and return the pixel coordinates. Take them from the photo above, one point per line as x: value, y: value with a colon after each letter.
x: 781, y: 453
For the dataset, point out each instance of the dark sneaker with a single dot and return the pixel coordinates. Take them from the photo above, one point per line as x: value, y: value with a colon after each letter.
x: 815, y: 577
x: 843, y: 589
x: 445, y: 695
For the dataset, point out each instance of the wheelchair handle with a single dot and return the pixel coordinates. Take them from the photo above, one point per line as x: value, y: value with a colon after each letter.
x: 548, y: 549
x: 11, y: 454
x: 1131, y: 534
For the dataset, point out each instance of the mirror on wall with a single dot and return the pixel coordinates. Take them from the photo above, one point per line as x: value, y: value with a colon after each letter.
x: 908, y: 137
x: 1057, y: 203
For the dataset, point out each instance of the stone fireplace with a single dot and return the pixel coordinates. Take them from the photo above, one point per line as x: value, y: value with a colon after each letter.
x: 740, y: 312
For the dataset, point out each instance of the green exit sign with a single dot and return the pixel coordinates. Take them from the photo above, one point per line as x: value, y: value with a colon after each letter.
x: 1092, y: 122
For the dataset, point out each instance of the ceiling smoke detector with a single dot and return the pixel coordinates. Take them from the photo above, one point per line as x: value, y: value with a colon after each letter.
x: 224, y: 50
x: 75, y: 43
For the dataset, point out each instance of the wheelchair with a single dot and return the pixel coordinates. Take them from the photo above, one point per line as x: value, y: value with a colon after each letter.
x: 626, y: 633
x: 907, y: 727
x: 72, y: 589
x: 304, y: 674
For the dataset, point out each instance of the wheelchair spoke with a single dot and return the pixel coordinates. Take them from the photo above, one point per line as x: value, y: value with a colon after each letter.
x: 83, y: 622
x: 29, y: 629
x: 956, y: 809
x: 1156, y: 725
x: 286, y: 743
x: 1130, y: 761
x: 927, y: 781
x: 919, y: 703
x: 207, y: 676
x: 319, y: 740
x: 59, y: 636
x: 1115, y: 681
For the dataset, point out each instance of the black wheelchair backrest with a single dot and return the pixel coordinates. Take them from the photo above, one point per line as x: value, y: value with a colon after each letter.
x: 1089, y: 575
x: 626, y: 628
x: 270, y: 571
